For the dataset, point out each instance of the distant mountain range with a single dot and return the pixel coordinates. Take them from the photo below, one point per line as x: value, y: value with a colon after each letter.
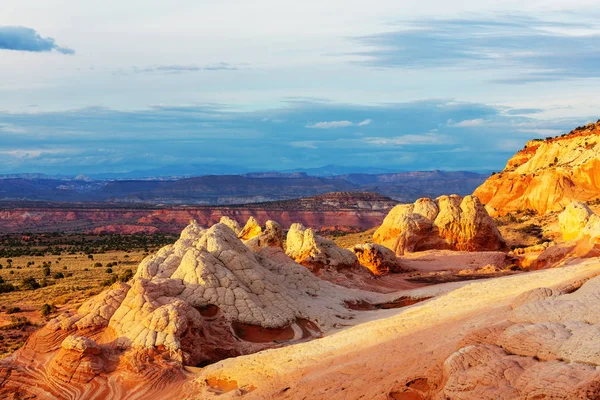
x: 235, y: 189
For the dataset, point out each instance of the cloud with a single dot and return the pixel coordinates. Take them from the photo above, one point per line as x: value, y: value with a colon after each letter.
x: 177, y: 69
x: 20, y: 38
x: 214, y: 138
x: 338, y: 124
x: 11, y: 128
x: 523, y: 49
x: 304, y: 145
x: 469, y: 123
x: 542, y: 132
x: 404, y: 140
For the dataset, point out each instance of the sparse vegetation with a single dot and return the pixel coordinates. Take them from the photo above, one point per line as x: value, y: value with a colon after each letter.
x: 29, y: 284
x: 56, y: 287
x: 47, y: 309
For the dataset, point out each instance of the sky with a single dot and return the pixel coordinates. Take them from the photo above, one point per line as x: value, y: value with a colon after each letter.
x: 236, y: 86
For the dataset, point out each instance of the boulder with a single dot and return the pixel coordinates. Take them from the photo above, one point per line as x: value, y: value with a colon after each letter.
x: 573, y: 220
x: 378, y: 259
x: 316, y: 252
x: 250, y: 230
x: 232, y: 223
x: 449, y: 222
x: 272, y: 236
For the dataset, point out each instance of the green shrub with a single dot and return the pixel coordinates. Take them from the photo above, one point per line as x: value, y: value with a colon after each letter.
x: 13, y: 310
x: 113, y: 279
x: 29, y: 284
x: 126, y: 275
x: 47, y: 309
x: 58, y: 275
x: 6, y: 287
x: 109, y: 270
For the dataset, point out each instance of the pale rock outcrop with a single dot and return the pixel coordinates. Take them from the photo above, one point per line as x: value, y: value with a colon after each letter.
x: 426, y: 207
x: 272, y: 236
x: 378, y: 259
x: 580, y: 229
x: 449, y: 222
x: 317, y: 253
x: 232, y: 223
x: 78, y: 361
x: 549, y: 348
x: 250, y: 230
x: 547, y: 175
x: 573, y: 219
x: 206, y: 297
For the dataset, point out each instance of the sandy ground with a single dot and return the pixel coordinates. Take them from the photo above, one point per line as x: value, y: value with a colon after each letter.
x: 386, y: 349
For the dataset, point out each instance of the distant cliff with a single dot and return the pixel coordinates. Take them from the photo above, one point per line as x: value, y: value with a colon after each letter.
x: 334, y: 211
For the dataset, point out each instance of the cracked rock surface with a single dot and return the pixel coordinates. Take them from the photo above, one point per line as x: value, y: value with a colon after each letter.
x: 206, y: 297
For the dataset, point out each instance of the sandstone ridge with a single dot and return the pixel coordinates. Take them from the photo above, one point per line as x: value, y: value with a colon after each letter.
x: 547, y: 175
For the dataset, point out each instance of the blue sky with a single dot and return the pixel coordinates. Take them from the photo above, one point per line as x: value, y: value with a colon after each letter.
x: 277, y: 85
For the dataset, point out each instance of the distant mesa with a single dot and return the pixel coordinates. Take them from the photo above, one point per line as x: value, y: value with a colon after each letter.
x: 547, y: 175
x: 234, y: 189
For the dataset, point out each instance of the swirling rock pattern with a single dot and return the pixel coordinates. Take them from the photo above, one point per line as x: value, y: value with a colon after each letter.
x: 206, y: 297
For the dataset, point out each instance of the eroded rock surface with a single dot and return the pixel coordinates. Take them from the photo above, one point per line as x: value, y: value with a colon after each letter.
x: 317, y: 253
x: 204, y: 298
x: 549, y: 348
x: 250, y: 230
x: 547, y: 175
x: 378, y: 259
x: 272, y: 236
x: 232, y: 223
x: 574, y: 219
x: 449, y: 222
x: 580, y: 229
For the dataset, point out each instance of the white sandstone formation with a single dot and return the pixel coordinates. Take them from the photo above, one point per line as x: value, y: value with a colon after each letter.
x: 449, y: 222
x: 317, y: 253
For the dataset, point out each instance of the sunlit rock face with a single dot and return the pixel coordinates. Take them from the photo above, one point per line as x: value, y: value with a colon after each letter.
x: 580, y: 230
x: 378, y: 259
x: 271, y: 236
x: 578, y: 222
x: 448, y: 222
x: 231, y: 223
x: 250, y: 230
x: 317, y: 253
x: 574, y: 219
x: 206, y: 297
x: 547, y: 175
